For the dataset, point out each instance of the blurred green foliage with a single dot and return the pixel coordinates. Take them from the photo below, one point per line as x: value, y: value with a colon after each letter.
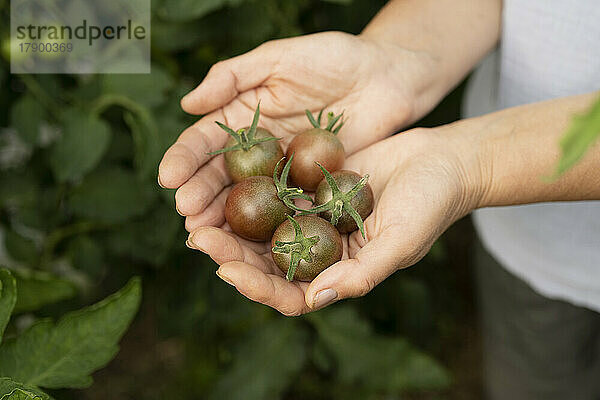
x: 81, y: 212
x: 581, y: 135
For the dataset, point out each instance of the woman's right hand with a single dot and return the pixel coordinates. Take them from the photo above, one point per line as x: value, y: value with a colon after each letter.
x: 421, y: 187
x: 377, y: 85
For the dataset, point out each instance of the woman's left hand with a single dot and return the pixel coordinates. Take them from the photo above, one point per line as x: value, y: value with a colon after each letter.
x: 420, y: 189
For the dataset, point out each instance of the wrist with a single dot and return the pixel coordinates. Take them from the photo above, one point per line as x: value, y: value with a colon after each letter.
x: 510, y: 156
x: 468, y: 154
x: 414, y: 75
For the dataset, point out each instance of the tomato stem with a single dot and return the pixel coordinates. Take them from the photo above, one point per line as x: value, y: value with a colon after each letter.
x: 332, y: 119
x: 340, y: 201
x: 299, y: 249
x: 245, y: 139
x: 284, y: 193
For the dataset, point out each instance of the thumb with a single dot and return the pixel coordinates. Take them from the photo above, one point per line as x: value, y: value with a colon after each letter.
x: 227, y: 79
x: 357, y: 276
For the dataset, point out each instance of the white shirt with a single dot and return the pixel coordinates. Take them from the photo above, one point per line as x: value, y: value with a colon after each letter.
x: 549, y: 49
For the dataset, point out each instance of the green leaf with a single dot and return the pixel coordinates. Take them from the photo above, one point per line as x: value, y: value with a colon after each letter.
x: 66, y: 353
x: 20, y: 248
x: 148, y: 149
x: 42, y: 212
x: 185, y: 10
x: 12, y: 390
x: 120, y: 149
x: 8, y: 297
x: 37, y: 288
x: 87, y: 255
x: 19, y: 188
x: 583, y: 132
x: 149, y: 239
x: 250, y: 24
x: 265, y: 363
x: 149, y: 90
x: 359, y: 352
x: 111, y: 195
x: 143, y: 127
x: 26, y: 116
x: 173, y: 121
x: 29, y: 202
x: 175, y: 36
x: 84, y: 140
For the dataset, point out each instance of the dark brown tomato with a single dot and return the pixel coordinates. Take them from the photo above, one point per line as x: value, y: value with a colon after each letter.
x: 314, y: 145
x: 362, y: 202
x: 253, y: 209
x: 326, y: 252
x: 259, y: 160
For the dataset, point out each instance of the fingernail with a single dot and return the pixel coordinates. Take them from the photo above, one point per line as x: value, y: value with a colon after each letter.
x: 191, y: 243
x: 324, y: 298
x: 224, y: 278
x: 177, y: 209
x: 159, y: 182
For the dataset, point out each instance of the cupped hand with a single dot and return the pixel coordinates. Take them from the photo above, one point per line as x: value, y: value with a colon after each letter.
x: 375, y: 84
x: 420, y: 188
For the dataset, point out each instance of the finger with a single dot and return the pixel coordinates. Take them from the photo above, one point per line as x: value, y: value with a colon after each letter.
x: 262, y: 248
x: 190, y: 150
x: 213, y: 215
x: 226, y: 79
x: 357, y: 276
x: 202, y: 188
x: 223, y: 247
x: 271, y: 290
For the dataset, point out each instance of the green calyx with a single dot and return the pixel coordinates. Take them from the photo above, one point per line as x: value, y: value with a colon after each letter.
x: 332, y: 120
x: 284, y: 193
x: 245, y: 139
x: 340, y: 201
x: 299, y: 249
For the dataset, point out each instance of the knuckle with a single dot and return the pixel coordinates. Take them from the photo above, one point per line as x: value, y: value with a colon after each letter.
x: 261, y: 298
x: 290, y: 312
x: 420, y: 139
x: 189, y: 225
x: 215, y: 180
x: 218, y: 67
x: 205, y: 145
x: 366, y: 284
x: 269, y: 44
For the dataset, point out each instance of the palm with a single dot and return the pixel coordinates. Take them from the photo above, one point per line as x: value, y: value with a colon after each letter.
x: 256, y: 275
x: 411, y: 209
x: 329, y: 70
x: 344, y: 77
x: 263, y: 281
x: 370, y: 82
